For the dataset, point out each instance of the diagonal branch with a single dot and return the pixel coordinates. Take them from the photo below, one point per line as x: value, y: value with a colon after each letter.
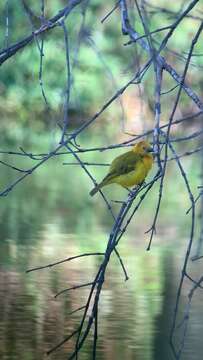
x: 49, y: 24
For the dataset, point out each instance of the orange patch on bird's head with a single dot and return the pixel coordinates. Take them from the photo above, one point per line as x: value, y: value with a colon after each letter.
x: 143, y: 147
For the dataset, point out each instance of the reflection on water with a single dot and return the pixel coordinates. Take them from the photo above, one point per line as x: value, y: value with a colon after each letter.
x: 32, y: 320
x: 41, y: 222
x: 134, y: 316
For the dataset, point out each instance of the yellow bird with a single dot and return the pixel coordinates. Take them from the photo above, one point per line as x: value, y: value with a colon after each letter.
x: 130, y: 168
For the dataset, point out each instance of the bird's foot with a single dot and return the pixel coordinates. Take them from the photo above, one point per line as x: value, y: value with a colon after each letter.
x: 138, y: 187
x: 131, y: 192
x: 134, y: 191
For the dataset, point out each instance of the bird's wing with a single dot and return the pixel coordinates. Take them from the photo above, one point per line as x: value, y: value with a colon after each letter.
x: 123, y: 164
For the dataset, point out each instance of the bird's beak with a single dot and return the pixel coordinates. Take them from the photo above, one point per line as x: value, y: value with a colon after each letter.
x: 150, y: 150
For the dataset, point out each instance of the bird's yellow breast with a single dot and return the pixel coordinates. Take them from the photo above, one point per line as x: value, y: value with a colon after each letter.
x: 138, y: 175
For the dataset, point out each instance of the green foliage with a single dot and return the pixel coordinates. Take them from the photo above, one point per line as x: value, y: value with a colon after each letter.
x: 91, y: 71
x: 100, y: 64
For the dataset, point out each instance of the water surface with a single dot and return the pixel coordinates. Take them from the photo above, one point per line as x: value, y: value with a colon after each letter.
x: 44, y: 220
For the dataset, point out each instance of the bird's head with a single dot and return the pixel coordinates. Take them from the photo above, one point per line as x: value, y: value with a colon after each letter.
x: 142, y: 148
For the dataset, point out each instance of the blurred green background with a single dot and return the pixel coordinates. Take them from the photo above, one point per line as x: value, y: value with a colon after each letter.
x: 50, y: 215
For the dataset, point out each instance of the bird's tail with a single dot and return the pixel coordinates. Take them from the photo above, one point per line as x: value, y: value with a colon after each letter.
x: 95, y: 189
x: 107, y: 180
